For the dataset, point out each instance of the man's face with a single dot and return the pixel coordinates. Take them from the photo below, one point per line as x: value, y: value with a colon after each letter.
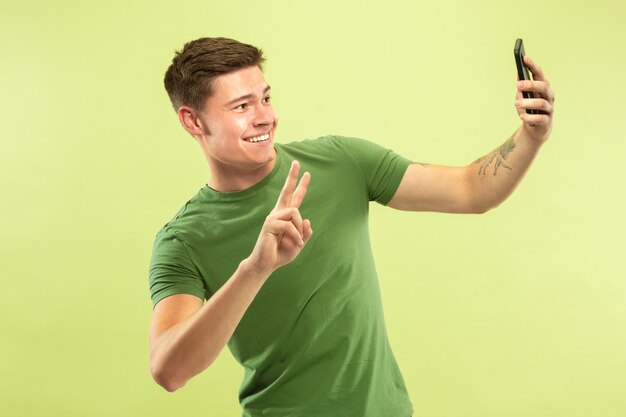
x: 238, y: 122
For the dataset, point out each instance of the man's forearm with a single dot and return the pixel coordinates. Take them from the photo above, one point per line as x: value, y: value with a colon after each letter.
x: 190, y: 346
x: 186, y: 336
x: 495, y: 176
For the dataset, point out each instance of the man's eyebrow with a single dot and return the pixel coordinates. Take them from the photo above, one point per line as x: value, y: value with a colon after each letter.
x: 247, y: 96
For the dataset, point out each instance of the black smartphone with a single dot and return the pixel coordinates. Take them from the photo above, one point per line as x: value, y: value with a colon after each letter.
x: 522, y: 70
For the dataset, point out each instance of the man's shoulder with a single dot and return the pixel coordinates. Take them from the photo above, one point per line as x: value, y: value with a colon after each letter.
x: 186, y: 219
x: 323, y: 145
x: 313, y: 143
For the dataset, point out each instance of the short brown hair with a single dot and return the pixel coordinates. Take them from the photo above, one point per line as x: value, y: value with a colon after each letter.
x: 189, y: 80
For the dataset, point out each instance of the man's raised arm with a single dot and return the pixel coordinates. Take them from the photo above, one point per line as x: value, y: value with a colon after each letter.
x: 488, y: 181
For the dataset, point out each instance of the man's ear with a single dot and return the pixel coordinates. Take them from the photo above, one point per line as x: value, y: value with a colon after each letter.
x: 188, y: 117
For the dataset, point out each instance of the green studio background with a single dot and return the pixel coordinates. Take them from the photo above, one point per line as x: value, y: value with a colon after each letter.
x: 516, y: 312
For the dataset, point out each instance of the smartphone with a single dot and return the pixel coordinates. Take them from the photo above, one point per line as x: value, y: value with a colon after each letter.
x: 522, y: 70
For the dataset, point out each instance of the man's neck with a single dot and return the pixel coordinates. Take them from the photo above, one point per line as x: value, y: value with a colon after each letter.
x: 228, y: 179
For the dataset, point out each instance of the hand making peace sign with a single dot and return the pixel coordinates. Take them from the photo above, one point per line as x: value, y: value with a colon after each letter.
x: 284, y: 233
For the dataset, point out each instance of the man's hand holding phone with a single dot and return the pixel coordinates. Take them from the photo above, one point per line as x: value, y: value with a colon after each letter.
x: 536, y: 109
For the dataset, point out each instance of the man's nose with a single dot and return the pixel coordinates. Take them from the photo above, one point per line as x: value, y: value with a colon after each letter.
x: 264, y: 115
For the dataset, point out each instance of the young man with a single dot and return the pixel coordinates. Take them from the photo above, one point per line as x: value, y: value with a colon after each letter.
x: 300, y: 310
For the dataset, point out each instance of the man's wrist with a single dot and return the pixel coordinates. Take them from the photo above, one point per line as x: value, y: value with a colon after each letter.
x: 249, y: 270
x: 527, y: 132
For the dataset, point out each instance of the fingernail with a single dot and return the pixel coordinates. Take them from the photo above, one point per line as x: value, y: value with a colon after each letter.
x: 517, y: 103
x: 520, y: 84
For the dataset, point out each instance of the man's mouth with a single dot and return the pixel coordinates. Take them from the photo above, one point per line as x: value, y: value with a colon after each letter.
x: 261, y: 138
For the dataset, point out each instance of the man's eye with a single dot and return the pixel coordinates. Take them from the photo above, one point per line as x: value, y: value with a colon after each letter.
x: 242, y: 106
x: 266, y: 99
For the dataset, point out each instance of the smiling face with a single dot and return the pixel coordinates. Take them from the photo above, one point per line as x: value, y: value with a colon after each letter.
x: 235, y: 129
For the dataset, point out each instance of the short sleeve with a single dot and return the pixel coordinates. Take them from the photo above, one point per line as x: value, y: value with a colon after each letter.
x: 171, y: 269
x: 382, y: 168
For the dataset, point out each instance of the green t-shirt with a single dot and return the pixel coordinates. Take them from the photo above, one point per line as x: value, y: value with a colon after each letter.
x: 313, y: 342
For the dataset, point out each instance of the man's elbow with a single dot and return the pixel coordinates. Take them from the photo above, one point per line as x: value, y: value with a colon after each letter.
x: 482, y: 207
x: 166, y: 380
x: 173, y: 376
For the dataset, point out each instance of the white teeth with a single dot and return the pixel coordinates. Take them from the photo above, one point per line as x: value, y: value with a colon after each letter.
x: 261, y: 138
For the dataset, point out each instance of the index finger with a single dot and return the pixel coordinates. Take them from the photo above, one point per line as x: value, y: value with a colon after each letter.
x: 290, y: 185
x: 298, y: 195
x: 535, y: 69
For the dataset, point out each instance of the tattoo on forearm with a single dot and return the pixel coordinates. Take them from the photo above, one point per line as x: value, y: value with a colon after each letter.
x: 496, y: 158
